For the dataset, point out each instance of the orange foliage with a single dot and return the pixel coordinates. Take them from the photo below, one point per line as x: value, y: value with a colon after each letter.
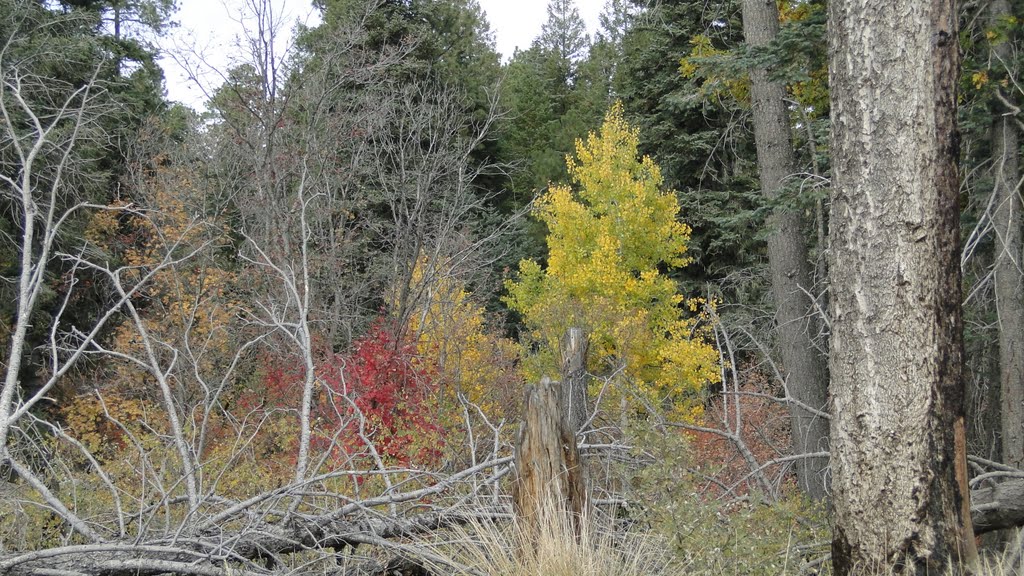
x: 765, y: 430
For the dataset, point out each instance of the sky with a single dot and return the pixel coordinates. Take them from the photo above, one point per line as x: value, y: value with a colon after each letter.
x: 207, y: 38
x: 517, y: 22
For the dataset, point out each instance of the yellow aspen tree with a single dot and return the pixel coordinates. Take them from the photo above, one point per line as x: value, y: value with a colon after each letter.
x: 612, y: 233
x: 450, y: 330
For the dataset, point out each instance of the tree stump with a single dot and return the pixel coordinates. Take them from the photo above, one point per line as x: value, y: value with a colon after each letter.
x: 549, y: 476
x: 573, y: 348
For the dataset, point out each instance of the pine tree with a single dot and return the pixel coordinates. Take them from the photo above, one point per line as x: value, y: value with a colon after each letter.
x: 694, y: 139
x: 564, y: 34
x: 899, y: 468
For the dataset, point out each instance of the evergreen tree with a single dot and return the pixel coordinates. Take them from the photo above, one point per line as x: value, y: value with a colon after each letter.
x: 796, y: 323
x: 705, y: 153
x: 548, y: 101
x: 563, y: 38
x: 127, y: 30
x: 616, y: 18
x: 51, y: 53
x: 992, y: 229
x: 529, y: 135
x: 444, y: 45
x: 449, y: 42
x: 606, y: 53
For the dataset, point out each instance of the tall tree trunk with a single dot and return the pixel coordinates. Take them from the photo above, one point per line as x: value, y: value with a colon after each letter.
x: 898, y: 445
x: 1006, y: 220
x: 804, y: 366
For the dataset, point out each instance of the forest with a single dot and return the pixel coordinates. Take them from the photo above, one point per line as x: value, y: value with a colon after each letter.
x: 728, y: 287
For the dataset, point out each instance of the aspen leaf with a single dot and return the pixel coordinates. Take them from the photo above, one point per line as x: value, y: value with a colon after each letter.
x: 612, y: 231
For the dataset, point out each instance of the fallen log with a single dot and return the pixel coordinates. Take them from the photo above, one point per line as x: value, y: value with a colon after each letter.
x: 241, y: 552
x: 998, y: 507
x: 211, y: 554
x: 244, y: 551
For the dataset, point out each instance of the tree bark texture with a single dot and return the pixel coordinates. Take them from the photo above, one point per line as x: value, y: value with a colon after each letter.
x: 549, y: 476
x: 574, y: 377
x: 898, y: 468
x: 1006, y: 222
x: 804, y: 367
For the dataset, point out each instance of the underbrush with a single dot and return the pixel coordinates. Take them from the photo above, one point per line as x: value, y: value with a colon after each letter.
x: 745, y: 532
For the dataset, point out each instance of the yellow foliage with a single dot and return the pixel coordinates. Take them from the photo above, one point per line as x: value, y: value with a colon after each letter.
x: 451, y: 330
x: 109, y: 425
x: 609, y: 234
x: 128, y: 436
x: 794, y: 10
x: 812, y: 94
x: 102, y: 227
x: 979, y: 79
x: 713, y: 85
x: 190, y: 300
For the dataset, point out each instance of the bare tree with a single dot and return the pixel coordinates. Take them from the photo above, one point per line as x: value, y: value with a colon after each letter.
x: 425, y: 175
x: 174, y: 499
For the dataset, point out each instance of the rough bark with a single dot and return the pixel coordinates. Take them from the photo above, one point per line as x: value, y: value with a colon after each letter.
x: 549, y: 476
x: 804, y: 366
x: 898, y: 472
x: 1006, y: 222
x: 574, y: 377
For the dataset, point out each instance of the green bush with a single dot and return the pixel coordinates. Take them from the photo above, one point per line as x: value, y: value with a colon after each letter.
x: 748, y: 535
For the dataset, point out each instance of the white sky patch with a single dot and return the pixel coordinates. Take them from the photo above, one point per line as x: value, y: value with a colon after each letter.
x: 208, y: 40
x: 516, y: 23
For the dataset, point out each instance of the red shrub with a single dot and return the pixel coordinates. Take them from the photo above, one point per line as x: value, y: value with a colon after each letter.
x: 393, y: 390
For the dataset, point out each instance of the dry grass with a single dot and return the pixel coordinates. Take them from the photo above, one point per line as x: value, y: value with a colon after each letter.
x: 1007, y: 563
x: 510, y: 548
x: 1001, y: 566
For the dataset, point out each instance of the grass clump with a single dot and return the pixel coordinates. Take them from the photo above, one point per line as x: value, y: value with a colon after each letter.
x: 551, y: 547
